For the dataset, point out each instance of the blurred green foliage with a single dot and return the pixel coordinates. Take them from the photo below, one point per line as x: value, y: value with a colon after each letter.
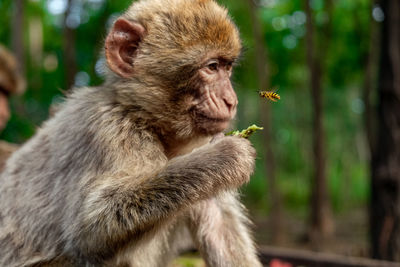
x: 283, y: 23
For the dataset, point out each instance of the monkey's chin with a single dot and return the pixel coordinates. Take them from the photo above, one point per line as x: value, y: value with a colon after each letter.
x: 213, y: 127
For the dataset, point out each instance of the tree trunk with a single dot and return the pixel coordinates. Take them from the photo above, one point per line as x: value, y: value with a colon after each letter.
x: 321, y: 217
x: 69, y: 50
x: 370, y: 80
x: 36, y: 50
x: 269, y: 159
x: 385, y: 185
x: 18, y: 34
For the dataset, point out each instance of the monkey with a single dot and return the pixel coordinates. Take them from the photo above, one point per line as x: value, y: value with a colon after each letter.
x: 130, y: 172
x: 11, y: 80
x: 11, y: 83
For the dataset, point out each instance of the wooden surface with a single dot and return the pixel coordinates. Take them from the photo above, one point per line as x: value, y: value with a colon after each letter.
x: 317, y: 259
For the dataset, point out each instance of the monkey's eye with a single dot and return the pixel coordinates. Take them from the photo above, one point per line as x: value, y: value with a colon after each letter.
x: 213, y: 65
x: 229, y: 66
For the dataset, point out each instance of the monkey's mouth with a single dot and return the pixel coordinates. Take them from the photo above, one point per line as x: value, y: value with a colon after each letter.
x: 206, y: 118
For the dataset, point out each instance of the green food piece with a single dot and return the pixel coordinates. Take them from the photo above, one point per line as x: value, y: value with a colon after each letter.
x: 246, y: 132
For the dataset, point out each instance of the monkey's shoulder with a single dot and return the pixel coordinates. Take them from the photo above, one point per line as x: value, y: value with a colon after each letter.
x: 88, y: 133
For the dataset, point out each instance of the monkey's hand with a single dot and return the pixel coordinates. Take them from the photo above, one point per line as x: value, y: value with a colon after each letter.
x: 225, y: 163
x: 233, y: 158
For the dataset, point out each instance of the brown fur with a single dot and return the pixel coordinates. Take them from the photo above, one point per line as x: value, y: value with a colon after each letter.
x: 11, y: 80
x: 123, y: 175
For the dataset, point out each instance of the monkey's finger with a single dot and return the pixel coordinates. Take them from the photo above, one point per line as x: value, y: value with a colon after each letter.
x: 216, y: 137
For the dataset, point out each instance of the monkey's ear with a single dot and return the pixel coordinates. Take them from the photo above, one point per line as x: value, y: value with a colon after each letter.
x: 121, y: 46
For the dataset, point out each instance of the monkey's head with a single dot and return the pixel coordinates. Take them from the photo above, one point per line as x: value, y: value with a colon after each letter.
x: 173, y: 59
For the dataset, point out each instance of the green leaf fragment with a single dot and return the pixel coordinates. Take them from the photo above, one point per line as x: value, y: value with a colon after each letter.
x: 246, y: 132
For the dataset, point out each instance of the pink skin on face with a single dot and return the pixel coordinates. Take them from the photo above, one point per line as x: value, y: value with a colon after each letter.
x: 218, y: 100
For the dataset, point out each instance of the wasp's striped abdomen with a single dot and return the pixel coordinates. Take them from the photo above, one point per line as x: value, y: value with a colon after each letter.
x: 269, y: 95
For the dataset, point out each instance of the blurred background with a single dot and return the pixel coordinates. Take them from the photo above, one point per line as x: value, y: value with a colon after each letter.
x: 328, y: 168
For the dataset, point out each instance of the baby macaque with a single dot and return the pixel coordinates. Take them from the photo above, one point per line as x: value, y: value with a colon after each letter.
x: 124, y: 174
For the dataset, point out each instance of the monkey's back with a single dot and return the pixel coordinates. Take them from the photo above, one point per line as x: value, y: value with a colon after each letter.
x: 43, y: 183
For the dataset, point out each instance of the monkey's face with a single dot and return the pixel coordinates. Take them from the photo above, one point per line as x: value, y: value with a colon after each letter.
x: 183, y: 54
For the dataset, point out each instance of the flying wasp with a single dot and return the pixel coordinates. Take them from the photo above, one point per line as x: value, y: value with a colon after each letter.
x: 270, y: 95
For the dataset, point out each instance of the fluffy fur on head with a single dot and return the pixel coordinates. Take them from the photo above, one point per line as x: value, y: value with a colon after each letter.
x: 182, y: 32
x: 179, y: 36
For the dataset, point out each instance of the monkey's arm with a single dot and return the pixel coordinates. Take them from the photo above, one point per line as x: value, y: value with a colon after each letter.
x: 219, y: 227
x: 129, y: 205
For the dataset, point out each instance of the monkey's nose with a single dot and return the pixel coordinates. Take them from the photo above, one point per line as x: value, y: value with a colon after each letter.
x: 228, y: 97
x: 229, y: 104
